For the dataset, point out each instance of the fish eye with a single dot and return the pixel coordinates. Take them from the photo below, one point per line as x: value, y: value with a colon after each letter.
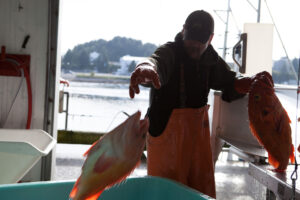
x: 257, y: 97
x: 265, y: 112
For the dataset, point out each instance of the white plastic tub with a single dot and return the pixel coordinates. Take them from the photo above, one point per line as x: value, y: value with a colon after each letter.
x: 20, y: 150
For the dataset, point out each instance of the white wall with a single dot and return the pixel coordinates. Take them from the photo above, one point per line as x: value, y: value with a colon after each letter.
x: 15, y: 25
x: 259, y: 47
x: 18, y: 19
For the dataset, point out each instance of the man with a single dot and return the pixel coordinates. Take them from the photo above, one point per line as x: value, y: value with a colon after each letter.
x: 181, y: 74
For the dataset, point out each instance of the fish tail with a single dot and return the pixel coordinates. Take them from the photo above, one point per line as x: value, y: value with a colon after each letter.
x: 273, y: 162
x: 287, y: 116
x: 88, y: 151
x: 75, y: 189
x: 292, y: 155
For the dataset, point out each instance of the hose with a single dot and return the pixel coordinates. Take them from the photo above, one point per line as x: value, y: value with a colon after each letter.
x: 20, y: 65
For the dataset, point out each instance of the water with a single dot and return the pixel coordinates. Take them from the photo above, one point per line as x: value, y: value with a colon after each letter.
x: 97, y: 107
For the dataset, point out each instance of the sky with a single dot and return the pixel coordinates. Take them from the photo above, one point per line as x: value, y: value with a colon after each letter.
x: 158, y: 21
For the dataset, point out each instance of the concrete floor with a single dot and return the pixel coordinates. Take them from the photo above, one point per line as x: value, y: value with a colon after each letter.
x: 232, y: 179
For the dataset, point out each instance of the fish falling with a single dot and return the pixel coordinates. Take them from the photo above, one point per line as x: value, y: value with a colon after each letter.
x: 270, y: 123
x: 112, y: 158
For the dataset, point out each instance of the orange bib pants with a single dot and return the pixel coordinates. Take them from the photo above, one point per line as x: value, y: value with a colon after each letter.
x: 182, y: 152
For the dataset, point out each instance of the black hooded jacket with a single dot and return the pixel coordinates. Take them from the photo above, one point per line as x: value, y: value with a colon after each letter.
x: 210, y: 72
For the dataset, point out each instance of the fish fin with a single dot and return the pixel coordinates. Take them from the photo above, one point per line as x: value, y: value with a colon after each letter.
x: 125, y: 176
x: 94, y: 196
x: 273, y: 162
x: 75, y: 189
x: 91, y: 147
x: 253, y: 131
x: 287, y: 116
x: 103, y: 163
x: 292, y: 155
x: 122, y: 178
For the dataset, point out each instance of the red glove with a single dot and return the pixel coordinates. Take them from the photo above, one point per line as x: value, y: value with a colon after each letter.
x: 243, y: 85
x: 143, y: 74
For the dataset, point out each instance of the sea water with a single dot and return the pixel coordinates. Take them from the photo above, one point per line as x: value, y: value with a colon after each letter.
x: 100, y: 107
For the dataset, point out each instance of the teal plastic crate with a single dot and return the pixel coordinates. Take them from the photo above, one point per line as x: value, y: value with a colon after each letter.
x: 144, y: 188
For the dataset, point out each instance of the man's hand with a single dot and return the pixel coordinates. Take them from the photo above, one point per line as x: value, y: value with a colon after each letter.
x: 143, y: 74
x: 242, y: 85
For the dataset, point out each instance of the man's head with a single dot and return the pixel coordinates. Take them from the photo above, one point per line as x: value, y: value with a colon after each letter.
x: 197, y: 32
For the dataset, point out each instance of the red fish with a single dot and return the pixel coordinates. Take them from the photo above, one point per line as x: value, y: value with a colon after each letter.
x: 270, y: 123
x: 111, y: 159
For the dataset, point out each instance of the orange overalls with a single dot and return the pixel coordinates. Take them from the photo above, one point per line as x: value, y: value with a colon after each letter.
x: 182, y: 152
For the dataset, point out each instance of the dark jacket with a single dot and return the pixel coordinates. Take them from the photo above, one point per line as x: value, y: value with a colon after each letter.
x: 210, y: 72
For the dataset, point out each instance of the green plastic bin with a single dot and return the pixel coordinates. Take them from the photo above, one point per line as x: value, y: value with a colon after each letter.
x: 144, y: 188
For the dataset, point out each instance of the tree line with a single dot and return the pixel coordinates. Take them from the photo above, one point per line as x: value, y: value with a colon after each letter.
x: 103, y: 56
x: 282, y: 72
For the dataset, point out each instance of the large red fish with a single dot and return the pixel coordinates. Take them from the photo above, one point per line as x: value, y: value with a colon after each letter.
x: 269, y: 122
x: 111, y: 159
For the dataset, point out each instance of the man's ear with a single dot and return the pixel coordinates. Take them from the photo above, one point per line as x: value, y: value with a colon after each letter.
x: 182, y: 31
x: 210, y: 38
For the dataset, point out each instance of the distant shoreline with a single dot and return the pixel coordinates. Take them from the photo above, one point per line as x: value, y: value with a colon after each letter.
x: 96, y: 78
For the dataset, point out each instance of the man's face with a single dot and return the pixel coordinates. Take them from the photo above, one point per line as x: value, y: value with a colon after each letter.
x: 195, y: 49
